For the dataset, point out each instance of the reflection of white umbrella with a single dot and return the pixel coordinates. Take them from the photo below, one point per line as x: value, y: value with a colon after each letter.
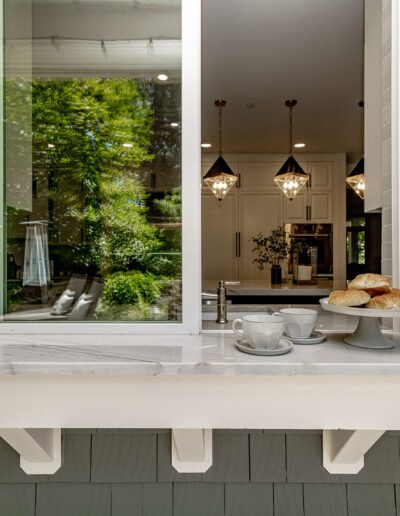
x: 36, y: 259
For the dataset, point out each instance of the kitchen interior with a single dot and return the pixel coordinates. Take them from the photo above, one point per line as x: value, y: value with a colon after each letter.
x: 273, y: 105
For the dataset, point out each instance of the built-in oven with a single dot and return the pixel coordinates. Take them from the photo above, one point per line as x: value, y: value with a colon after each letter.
x: 314, y: 244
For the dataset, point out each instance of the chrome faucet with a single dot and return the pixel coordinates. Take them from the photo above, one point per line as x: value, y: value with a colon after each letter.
x: 221, y: 300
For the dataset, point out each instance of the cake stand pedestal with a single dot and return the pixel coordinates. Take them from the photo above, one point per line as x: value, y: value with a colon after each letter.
x: 368, y: 333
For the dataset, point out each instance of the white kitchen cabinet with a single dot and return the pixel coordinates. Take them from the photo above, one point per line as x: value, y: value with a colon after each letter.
x: 257, y: 205
x: 219, y: 237
x: 257, y: 213
x: 296, y: 210
x: 320, y: 207
x: 256, y: 176
x: 314, y: 204
x: 309, y: 207
x: 321, y: 175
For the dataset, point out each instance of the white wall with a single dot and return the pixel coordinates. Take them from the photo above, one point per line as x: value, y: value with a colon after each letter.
x: 386, y: 141
x: 373, y: 105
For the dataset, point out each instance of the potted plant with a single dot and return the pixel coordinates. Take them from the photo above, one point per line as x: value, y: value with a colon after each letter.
x: 272, y: 249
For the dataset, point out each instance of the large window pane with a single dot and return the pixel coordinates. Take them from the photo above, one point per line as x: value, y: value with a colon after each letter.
x: 93, y: 160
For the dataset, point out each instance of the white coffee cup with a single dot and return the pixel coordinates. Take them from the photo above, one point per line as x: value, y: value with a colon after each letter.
x: 260, y: 331
x: 300, y: 322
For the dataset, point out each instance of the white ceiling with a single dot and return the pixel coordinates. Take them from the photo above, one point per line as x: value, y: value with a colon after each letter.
x: 266, y: 51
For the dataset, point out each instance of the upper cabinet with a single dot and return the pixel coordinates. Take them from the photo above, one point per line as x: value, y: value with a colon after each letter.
x: 314, y: 204
x: 255, y: 176
x: 320, y: 207
x: 296, y: 210
x: 321, y: 175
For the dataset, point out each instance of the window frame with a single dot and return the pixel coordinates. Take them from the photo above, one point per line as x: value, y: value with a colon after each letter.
x: 191, y: 206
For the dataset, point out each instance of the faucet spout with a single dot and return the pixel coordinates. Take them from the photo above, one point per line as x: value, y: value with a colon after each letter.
x: 222, y: 316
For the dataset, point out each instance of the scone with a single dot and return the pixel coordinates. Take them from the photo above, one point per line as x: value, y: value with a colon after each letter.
x: 348, y: 298
x: 374, y: 284
x: 386, y: 301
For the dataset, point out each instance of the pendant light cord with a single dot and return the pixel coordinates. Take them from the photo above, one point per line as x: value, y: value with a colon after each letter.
x: 220, y: 129
x: 290, y: 104
x: 220, y: 104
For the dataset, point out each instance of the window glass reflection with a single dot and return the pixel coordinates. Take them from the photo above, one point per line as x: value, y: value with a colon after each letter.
x: 93, y: 161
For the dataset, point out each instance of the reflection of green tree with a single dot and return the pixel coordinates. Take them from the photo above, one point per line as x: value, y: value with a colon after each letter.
x: 88, y: 137
x: 93, y: 143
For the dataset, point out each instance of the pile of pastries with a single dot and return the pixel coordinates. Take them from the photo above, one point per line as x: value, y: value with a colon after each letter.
x: 367, y: 290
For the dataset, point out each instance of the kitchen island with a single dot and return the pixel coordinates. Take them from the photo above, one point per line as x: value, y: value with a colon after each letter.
x: 255, y: 291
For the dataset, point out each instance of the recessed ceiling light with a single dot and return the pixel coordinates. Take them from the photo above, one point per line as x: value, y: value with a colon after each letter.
x: 299, y: 145
x: 174, y: 124
x: 50, y: 146
x: 206, y: 145
x: 162, y: 77
x: 127, y: 145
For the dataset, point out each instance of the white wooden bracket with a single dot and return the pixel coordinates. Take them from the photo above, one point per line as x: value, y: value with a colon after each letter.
x: 343, y: 450
x: 191, y: 450
x: 39, y: 448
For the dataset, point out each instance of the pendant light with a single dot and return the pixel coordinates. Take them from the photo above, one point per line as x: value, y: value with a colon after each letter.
x: 356, y: 180
x: 291, y: 177
x: 220, y: 177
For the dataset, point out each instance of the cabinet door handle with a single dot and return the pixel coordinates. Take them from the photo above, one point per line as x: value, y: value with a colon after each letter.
x: 237, y: 244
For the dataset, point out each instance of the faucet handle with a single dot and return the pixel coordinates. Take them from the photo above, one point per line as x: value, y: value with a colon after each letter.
x: 232, y: 282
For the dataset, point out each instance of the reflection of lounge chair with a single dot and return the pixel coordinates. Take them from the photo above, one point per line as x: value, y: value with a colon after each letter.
x: 86, y: 305
x: 83, y: 308
x: 69, y: 296
x: 75, y: 284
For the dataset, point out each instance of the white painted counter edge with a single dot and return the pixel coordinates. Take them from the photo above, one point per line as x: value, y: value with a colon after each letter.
x: 196, y: 403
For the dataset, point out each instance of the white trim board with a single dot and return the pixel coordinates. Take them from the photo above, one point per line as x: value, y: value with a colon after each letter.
x: 331, y: 402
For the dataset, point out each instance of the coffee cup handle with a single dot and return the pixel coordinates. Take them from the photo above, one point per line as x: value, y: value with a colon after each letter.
x: 236, y: 330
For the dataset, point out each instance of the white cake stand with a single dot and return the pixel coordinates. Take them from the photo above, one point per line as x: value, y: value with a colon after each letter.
x: 368, y: 333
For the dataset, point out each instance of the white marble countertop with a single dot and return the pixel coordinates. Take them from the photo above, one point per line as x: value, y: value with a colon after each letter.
x: 207, y: 354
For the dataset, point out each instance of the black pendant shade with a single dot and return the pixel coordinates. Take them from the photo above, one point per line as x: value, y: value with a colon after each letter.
x: 290, y: 167
x: 220, y: 167
x: 356, y: 180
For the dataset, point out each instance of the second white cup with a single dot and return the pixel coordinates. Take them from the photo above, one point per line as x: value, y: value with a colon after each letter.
x: 300, y: 322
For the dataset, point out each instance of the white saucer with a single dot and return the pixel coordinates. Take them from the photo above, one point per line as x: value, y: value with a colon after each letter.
x: 315, y: 338
x: 284, y: 346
